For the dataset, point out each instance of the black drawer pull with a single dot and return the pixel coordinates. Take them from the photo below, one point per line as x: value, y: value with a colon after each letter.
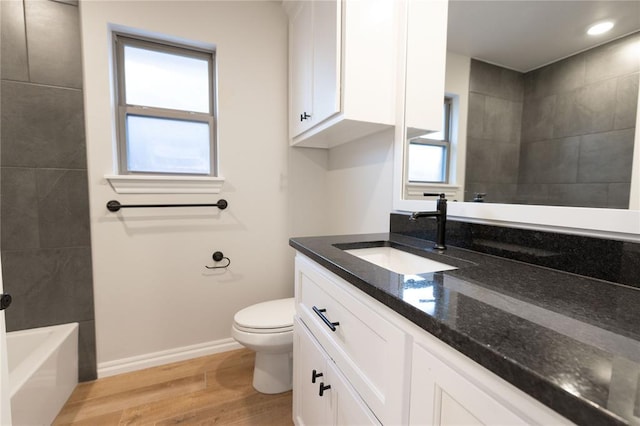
x: 323, y: 388
x: 331, y: 325
x: 315, y: 375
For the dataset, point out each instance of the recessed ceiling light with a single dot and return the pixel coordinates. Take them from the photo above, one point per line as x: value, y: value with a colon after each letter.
x: 600, y: 27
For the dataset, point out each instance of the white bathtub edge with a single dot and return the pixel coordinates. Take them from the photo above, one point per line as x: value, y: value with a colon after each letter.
x: 154, y: 359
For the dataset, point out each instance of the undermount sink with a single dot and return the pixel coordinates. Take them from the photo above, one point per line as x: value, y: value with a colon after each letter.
x: 399, y: 261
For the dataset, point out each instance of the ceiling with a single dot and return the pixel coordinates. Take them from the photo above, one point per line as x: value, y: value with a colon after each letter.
x: 526, y: 34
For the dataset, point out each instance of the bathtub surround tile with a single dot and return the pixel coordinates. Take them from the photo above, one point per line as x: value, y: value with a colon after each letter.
x: 496, y: 192
x: 552, y: 161
x: 578, y: 194
x: 502, y: 120
x: 496, y: 81
x: 537, y: 119
x: 19, y: 209
x: 475, y: 116
x: 53, y: 35
x: 13, y: 44
x: 87, y: 367
x: 589, y: 109
x: 63, y: 205
x: 49, y: 286
x: 613, y: 149
x: 626, y: 102
x: 618, y: 195
x: 613, y: 59
x: 58, y: 138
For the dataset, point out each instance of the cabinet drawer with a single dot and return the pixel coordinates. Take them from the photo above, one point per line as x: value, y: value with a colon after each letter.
x: 366, y: 347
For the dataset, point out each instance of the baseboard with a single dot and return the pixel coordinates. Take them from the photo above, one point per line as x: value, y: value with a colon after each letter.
x: 140, y: 362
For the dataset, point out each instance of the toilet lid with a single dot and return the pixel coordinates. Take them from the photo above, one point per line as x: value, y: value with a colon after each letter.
x: 272, y: 314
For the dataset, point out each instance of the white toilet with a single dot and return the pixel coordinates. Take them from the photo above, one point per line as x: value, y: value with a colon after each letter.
x: 267, y: 329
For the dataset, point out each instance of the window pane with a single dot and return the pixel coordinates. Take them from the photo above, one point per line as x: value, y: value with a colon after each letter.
x: 427, y: 163
x: 167, y: 146
x: 165, y: 80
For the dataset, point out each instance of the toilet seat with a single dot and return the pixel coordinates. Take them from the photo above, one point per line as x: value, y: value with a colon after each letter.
x: 274, y: 316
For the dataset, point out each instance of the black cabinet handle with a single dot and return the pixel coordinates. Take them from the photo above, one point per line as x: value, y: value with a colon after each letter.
x: 304, y: 116
x: 323, y: 388
x: 331, y: 325
x: 5, y: 301
x: 315, y: 375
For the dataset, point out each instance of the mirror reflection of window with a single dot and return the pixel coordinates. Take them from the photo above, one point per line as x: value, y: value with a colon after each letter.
x: 429, y: 155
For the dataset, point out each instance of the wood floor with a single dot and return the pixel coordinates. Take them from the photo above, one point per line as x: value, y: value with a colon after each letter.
x: 212, y: 390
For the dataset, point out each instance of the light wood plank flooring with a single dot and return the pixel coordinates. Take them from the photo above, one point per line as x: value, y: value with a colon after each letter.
x: 212, y: 390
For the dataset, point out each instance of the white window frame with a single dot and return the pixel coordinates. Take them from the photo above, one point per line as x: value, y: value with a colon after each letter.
x: 125, y: 181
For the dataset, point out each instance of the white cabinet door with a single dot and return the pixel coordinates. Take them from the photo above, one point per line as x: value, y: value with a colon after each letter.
x: 309, y: 370
x: 441, y: 396
x: 301, y: 67
x: 347, y: 407
x: 326, y: 59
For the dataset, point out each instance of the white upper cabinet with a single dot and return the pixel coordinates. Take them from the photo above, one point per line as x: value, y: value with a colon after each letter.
x: 346, y: 61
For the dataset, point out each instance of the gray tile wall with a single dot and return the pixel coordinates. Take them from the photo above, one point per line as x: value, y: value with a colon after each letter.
x: 44, y: 204
x: 578, y: 128
x: 559, y: 135
x: 493, y: 134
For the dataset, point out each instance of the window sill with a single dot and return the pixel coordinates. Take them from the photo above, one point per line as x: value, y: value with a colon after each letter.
x: 415, y: 190
x: 140, y: 184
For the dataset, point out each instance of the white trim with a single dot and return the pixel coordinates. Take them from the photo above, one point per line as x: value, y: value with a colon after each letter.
x: 147, y: 184
x: 140, y: 362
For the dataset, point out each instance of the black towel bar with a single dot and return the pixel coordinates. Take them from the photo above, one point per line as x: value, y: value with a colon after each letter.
x: 114, y: 205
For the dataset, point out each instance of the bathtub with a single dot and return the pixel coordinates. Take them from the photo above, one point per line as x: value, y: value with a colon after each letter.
x: 43, y: 371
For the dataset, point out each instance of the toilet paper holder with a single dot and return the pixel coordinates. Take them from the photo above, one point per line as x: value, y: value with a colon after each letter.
x: 217, y: 257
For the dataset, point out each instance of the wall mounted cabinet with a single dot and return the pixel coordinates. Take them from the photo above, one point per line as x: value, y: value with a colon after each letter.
x: 348, y: 61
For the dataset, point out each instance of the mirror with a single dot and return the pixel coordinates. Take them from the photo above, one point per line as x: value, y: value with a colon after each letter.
x: 542, y: 114
x: 504, y: 27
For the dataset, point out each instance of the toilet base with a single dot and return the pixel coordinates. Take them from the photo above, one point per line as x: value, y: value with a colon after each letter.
x: 273, y: 372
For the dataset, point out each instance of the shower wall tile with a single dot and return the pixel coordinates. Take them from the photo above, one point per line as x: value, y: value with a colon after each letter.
x: 13, y: 44
x: 553, y: 161
x: 559, y: 77
x: 86, y: 351
x: 502, y: 120
x: 19, y: 209
x: 626, y: 101
x: 578, y: 195
x: 618, y: 195
x: 49, y: 286
x: 63, y: 204
x: 495, y: 81
x: 53, y: 34
x: 537, y: 119
x: 587, y: 110
x: 57, y: 140
x: 496, y: 192
x: 613, y: 59
x: 532, y: 193
x: 475, y: 116
x: 606, y: 157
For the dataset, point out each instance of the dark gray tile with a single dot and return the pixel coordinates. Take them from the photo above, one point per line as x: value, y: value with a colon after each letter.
x: 554, y: 161
x: 495, y: 192
x: 480, y: 161
x: 537, y: 118
x: 626, y: 102
x: 512, y: 85
x: 13, y: 45
x: 606, y: 157
x: 42, y: 126
x: 475, y: 116
x: 63, y: 205
x: 87, y: 367
x: 589, y: 109
x: 484, y: 78
x: 502, y: 120
x: 567, y: 75
x: 613, y: 59
x: 19, y: 209
x: 53, y: 34
x: 49, y: 286
x: 532, y: 193
x: 618, y: 195
x: 578, y: 195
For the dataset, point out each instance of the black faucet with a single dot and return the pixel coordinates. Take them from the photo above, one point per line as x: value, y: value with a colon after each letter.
x: 441, y: 217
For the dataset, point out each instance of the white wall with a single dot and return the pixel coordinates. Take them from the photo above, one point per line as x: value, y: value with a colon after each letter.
x: 153, y: 296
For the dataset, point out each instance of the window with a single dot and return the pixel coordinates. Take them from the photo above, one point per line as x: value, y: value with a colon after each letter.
x: 429, y: 154
x: 165, y: 101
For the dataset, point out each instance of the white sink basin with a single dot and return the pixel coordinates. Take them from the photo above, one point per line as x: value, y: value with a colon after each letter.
x: 399, y: 261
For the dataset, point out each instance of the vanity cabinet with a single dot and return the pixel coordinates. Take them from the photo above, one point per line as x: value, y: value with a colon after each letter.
x: 390, y: 370
x: 323, y: 395
x: 347, y: 66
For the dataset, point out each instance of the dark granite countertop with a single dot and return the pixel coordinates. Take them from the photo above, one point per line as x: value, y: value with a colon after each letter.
x: 569, y: 341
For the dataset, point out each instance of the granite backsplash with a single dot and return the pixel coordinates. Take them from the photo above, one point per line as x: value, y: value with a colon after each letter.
x: 610, y: 260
